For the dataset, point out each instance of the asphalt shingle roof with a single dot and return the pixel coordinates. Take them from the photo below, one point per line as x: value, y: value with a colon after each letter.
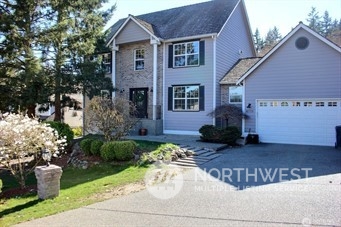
x: 186, y: 21
x: 238, y: 70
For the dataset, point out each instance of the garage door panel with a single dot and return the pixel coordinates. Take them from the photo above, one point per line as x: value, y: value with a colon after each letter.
x: 312, y: 124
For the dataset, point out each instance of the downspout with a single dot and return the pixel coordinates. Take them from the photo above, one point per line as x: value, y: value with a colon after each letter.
x: 214, y: 74
x: 243, y: 108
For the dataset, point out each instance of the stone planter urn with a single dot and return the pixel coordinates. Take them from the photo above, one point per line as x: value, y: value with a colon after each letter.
x: 48, y: 181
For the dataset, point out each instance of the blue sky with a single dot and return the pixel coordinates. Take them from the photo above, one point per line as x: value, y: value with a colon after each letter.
x: 263, y: 14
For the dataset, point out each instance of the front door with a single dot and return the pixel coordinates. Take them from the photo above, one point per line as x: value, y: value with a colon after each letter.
x: 139, y: 96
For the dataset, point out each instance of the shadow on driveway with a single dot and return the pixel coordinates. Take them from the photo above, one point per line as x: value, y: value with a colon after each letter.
x: 262, y: 164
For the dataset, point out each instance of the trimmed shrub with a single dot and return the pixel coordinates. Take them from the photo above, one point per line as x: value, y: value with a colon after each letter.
x: 124, y: 150
x: 210, y: 133
x: 62, y: 129
x: 96, y: 147
x: 107, y: 151
x: 230, y: 135
x: 85, y: 145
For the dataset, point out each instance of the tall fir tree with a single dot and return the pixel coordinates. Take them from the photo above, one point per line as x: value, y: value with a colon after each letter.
x: 75, y: 28
x: 314, y: 20
x: 23, y: 81
x: 259, y: 42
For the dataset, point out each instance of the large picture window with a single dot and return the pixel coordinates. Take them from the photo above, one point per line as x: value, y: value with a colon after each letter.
x: 139, y: 59
x: 236, y: 94
x: 186, y: 98
x: 186, y: 54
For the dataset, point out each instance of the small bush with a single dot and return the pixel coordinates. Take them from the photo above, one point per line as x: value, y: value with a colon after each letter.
x: 124, y: 150
x: 210, y: 133
x: 62, y: 129
x: 107, y: 151
x: 96, y: 147
x: 85, y: 145
x: 77, y: 132
x: 230, y: 135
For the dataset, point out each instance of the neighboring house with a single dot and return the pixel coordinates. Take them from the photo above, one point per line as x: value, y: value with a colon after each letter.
x: 170, y: 63
x: 293, y: 94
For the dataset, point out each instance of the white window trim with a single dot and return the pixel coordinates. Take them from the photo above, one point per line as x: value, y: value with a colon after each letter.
x: 186, y: 99
x: 138, y: 59
x: 241, y: 94
x: 186, y: 55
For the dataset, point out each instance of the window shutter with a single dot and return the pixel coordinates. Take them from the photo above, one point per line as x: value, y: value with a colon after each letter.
x: 202, y: 52
x: 170, y: 56
x: 202, y: 98
x: 170, y: 98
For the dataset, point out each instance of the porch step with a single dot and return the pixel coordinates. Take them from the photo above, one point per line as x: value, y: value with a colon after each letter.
x: 199, y: 157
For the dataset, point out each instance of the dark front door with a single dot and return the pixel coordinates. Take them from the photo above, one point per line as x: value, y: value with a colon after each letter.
x: 139, y: 96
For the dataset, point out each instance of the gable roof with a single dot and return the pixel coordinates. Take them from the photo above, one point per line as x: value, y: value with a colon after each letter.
x: 238, y: 70
x: 288, y: 36
x: 186, y: 21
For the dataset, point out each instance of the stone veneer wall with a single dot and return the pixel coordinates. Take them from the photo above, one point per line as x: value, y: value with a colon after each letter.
x: 127, y: 77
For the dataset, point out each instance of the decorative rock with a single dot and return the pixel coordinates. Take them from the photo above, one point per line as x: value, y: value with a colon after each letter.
x: 48, y: 180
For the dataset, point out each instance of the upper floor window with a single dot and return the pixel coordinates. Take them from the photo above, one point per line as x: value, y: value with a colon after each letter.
x: 186, y: 54
x: 139, y: 59
x: 235, y: 94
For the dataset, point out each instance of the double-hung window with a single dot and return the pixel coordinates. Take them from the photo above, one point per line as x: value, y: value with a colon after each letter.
x: 138, y: 59
x: 186, y: 98
x: 186, y: 54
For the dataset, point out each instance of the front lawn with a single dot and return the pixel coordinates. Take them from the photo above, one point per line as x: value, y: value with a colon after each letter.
x: 78, y: 188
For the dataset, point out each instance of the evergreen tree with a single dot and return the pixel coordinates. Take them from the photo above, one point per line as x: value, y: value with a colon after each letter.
x: 314, y: 20
x: 259, y: 42
x: 23, y: 81
x: 75, y: 28
x: 273, y: 37
x: 326, y: 25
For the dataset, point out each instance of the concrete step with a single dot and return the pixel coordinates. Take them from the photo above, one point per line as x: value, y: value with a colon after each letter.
x: 207, y: 154
x: 200, y: 152
x: 178, y: 163
x: 193, y: 161
x: 198, y: 158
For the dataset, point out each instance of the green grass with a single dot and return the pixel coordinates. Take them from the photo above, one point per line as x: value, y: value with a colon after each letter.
x: 78, y: 188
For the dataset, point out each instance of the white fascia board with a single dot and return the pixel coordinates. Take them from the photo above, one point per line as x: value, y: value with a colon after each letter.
x: 190, y: 37
x: 130, y: 17
x: 288, y: 36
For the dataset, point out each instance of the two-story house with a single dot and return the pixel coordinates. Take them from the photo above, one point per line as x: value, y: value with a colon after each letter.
x: 170, y: 62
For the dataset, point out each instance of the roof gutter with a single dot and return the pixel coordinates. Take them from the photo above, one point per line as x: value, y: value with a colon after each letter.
x: 190, y: 37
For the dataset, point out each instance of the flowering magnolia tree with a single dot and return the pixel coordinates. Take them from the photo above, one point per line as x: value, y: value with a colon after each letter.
x: 22, y: 141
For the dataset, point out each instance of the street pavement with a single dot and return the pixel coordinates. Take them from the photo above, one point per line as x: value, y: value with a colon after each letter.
x: 254, y: 185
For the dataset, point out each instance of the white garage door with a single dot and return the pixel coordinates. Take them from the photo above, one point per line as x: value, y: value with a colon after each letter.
x: 309, y: 122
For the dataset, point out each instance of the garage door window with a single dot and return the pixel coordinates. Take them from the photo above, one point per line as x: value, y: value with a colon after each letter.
x: 308, y: 104
x: 273, y: 104
x: 318, y: 104
x: 284, y: 104
x: 332, y: 103
x: 263, y: 104
x: 296, y: 103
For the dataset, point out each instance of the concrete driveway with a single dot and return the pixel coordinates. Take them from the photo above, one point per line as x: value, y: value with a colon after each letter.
x: 256, y: 185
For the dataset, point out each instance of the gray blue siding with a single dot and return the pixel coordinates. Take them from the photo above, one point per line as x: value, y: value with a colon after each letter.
x: 131, y: 33
x: 295, y: 74
x: 202, y: 75
x: 234, y: 37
